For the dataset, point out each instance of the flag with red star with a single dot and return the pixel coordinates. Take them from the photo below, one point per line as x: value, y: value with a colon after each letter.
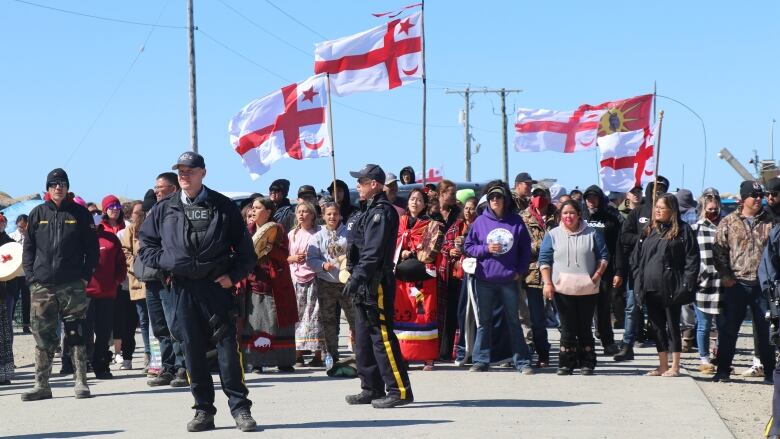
x: 291, y: 122
x: 378, y: 59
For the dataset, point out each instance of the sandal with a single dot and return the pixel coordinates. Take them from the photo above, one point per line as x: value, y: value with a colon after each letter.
x: 654, y: 373
x: 671, y: 373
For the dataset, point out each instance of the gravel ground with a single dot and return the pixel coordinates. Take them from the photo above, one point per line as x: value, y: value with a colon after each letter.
x: 745, y: 403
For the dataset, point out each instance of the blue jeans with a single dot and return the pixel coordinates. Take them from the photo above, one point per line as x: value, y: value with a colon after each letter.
x: 507, y: 293
x: 160, y: 314
x: 735, y: 302
x: 143, y: 322
x: 632, y: 319
x: 538, y: 321
x: 703, y: 327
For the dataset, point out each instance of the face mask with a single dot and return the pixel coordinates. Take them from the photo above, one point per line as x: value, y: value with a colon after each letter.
x: 540, y: 203
x: 569, y: 220
x: 712, y: 216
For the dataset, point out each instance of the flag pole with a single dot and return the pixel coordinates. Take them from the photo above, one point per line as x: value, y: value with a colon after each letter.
x: 657, y: 154
x: 424, y: 92
x: 332, y: 146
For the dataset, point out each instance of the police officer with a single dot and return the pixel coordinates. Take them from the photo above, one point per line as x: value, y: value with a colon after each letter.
x: 769, y: 278
x: 60, y: 254
x: 371, y: 287
x: 199, y: 237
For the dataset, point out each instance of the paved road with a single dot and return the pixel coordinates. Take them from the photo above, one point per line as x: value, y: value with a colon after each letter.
x: 617, y: 402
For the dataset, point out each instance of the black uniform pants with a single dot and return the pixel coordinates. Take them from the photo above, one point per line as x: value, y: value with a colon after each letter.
x: 774, y: 426
x: 196, y: 302
x: 380, y: 365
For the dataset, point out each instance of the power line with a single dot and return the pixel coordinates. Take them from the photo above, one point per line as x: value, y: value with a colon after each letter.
x: 255, y: 24
x: 97, y: 17
x: 116, y: 89
x: 240, y: 55
x: 704, y: 130
x: 296, y: 20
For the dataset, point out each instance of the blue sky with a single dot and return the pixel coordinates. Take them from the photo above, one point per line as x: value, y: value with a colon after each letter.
x: 59, y: 71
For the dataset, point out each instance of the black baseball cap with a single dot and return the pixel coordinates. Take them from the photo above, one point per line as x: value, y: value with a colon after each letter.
x: 372, y: 171
x: 524, y: 177
x: 190, y: 159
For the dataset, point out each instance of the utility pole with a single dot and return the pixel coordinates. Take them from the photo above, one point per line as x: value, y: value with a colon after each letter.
x: 467, y: 134
x: 193, y: 95
x: 502, y: 92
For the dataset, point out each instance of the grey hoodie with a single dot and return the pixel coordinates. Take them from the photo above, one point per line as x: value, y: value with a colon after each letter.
x: 574, y: 257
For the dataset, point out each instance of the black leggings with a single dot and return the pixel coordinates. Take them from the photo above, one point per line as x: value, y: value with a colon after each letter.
x: 666, y: 323
x: 577, y: 342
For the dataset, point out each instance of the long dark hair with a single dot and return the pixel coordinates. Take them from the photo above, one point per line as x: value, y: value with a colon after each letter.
x: 671, y: 232
x: 426, y: 200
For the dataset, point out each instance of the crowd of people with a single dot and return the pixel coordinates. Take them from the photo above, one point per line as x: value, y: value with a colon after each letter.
x: 477, y: 279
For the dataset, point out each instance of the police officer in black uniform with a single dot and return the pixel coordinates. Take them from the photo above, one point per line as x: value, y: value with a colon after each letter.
x: 199, y: 237
x: 371, y: 287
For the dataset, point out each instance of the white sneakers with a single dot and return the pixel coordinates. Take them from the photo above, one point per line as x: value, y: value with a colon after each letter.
x: 754, y: 371
x: 126, y: 365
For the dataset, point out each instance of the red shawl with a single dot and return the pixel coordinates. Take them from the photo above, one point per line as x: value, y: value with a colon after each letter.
x: 272, y: 273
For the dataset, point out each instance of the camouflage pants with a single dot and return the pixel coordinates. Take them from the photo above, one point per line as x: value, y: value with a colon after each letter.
x: 49, y: 304
x: 331, y: 296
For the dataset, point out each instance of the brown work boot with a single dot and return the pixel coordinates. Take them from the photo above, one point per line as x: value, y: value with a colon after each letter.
x: 41, y: 390
x: 687, y: 341
x: 79, y: 356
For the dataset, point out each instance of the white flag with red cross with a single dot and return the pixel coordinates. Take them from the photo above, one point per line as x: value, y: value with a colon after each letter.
x: 560, y: 131
x: 627, y: 159
x: 434, y: 175
x: 378, y: 59
x: 291, y: 122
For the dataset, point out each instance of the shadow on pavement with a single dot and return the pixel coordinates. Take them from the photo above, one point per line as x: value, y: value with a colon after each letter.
x: 358, y: 424
x: 500, y: 403
x: 63, y: 434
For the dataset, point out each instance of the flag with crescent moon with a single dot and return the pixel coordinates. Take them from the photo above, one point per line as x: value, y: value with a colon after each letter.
x: 291, y: 122
x: 379, y: 59
x: 560, y: 131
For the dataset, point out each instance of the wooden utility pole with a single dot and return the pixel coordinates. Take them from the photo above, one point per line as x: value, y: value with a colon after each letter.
x: 505, y: 141
x: 193, y: 94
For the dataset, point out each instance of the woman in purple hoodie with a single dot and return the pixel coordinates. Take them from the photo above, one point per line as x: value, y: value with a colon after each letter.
x: 500, y: 242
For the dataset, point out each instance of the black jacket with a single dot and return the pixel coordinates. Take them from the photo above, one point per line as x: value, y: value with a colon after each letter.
x: 608, y: 224
x: 226, y: 247
x: 663, y: 264
x: 372, y: 242
x: 636, y: 221
x: 61, y: 244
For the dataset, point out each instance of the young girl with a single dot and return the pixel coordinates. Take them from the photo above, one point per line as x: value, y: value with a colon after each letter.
x: 308, y: 331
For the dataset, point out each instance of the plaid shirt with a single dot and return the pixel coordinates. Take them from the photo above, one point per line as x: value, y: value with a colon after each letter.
x: 708, y: 298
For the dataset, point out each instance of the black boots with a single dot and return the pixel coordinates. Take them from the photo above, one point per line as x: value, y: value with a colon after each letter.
x: 626, y: 353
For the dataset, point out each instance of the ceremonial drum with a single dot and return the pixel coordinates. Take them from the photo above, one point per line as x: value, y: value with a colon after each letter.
x: 10, y: 261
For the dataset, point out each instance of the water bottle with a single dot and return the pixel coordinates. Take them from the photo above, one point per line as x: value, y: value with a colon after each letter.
x: 328, y: 362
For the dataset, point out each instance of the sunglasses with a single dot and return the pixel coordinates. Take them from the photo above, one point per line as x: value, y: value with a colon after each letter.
x: 56, y: 183
x: 114, y: 207
x: 757, y: 195
x: 492, y: 197
x: 772, y: 194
